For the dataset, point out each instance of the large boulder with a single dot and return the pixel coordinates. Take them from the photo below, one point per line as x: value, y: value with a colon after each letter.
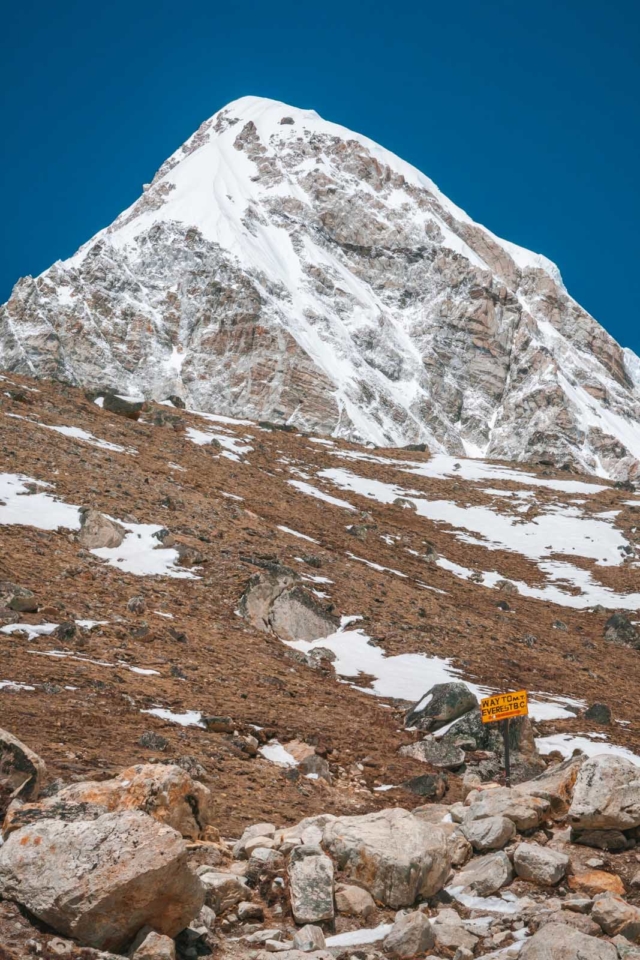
x: 274, y: 601
x: 311, y: 885
x: 557, y: 941
x: 540, y: 865
x: 164, y: 791
x: 606, y: 795
x: 484, y: 876
x: 22, y: 772
x: 101, y: 881
x: 443, y: 703
x: 98, y: 530
x: 410, y: 936
x: 616, y: 917
x: 526, y: 812
x: 398, y: 857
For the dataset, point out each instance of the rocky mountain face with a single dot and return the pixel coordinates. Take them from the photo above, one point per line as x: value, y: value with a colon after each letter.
x: 279, y: 266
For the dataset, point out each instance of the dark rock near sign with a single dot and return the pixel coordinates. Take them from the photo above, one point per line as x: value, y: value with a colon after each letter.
x: 440, y: 705
x: 599, y: 713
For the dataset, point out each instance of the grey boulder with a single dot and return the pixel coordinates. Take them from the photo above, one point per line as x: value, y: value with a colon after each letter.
x: 397, y: 856
x: 606, y: 795
x: 540, y: 864
x: 311, y: 885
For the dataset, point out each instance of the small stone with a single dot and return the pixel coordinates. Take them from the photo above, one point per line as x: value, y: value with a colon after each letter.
x: 247, y: 910
x: 309, y: 938
x: 410, y: 936
x: 594, y: 882
x: 154, y: 946
x: 354, y: 901
x: 540, y: 864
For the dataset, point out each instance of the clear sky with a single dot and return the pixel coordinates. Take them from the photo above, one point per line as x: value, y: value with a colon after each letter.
x: 525, y: 114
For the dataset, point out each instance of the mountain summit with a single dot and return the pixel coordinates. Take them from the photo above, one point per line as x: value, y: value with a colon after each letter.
x: 282, y: 267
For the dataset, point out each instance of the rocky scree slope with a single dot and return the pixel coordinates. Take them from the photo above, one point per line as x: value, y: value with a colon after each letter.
x: 281, y: 266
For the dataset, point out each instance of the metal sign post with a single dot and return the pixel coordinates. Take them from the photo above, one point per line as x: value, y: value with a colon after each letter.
x: 507, y: 758
x: 501, y: 708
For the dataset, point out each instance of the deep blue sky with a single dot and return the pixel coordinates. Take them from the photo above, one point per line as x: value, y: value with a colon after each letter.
x: 525, y: 114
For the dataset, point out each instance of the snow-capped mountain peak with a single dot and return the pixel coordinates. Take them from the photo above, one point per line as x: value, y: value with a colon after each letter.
x: 280, y: 266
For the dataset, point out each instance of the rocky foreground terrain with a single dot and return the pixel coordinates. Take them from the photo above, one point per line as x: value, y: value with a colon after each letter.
x: 240, y: 682
x: 280, y: 266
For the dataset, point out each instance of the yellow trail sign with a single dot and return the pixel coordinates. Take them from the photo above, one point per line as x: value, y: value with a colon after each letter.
x: 504, y: 705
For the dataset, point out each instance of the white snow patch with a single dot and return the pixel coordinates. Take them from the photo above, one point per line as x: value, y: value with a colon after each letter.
x: 276, y: 753
x: 140, y: 553
x: 566, y: 743
x: 42, y: 510
x: 355, y: 937
x: 294, y: 533
x: 191, y: 718
x: 319, y: 494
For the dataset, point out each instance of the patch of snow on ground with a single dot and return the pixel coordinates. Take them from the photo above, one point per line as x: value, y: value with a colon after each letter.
x: 191, y: 718
x: 276, y: 753
x: 566, y: 743
x: 408, y: 676
x: 32, y: 631
x: 218, y: 418
x: 231, y: 446
x: 319, y: 494
x: 41, y: 510
x: 294, y: 533
x: 377, y: 566
x: 141, y: 554
x: 75, y: 433
x: 355, y: 937
x: 504, y: 904
x: 12, y: 685
x: 562, y: 529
